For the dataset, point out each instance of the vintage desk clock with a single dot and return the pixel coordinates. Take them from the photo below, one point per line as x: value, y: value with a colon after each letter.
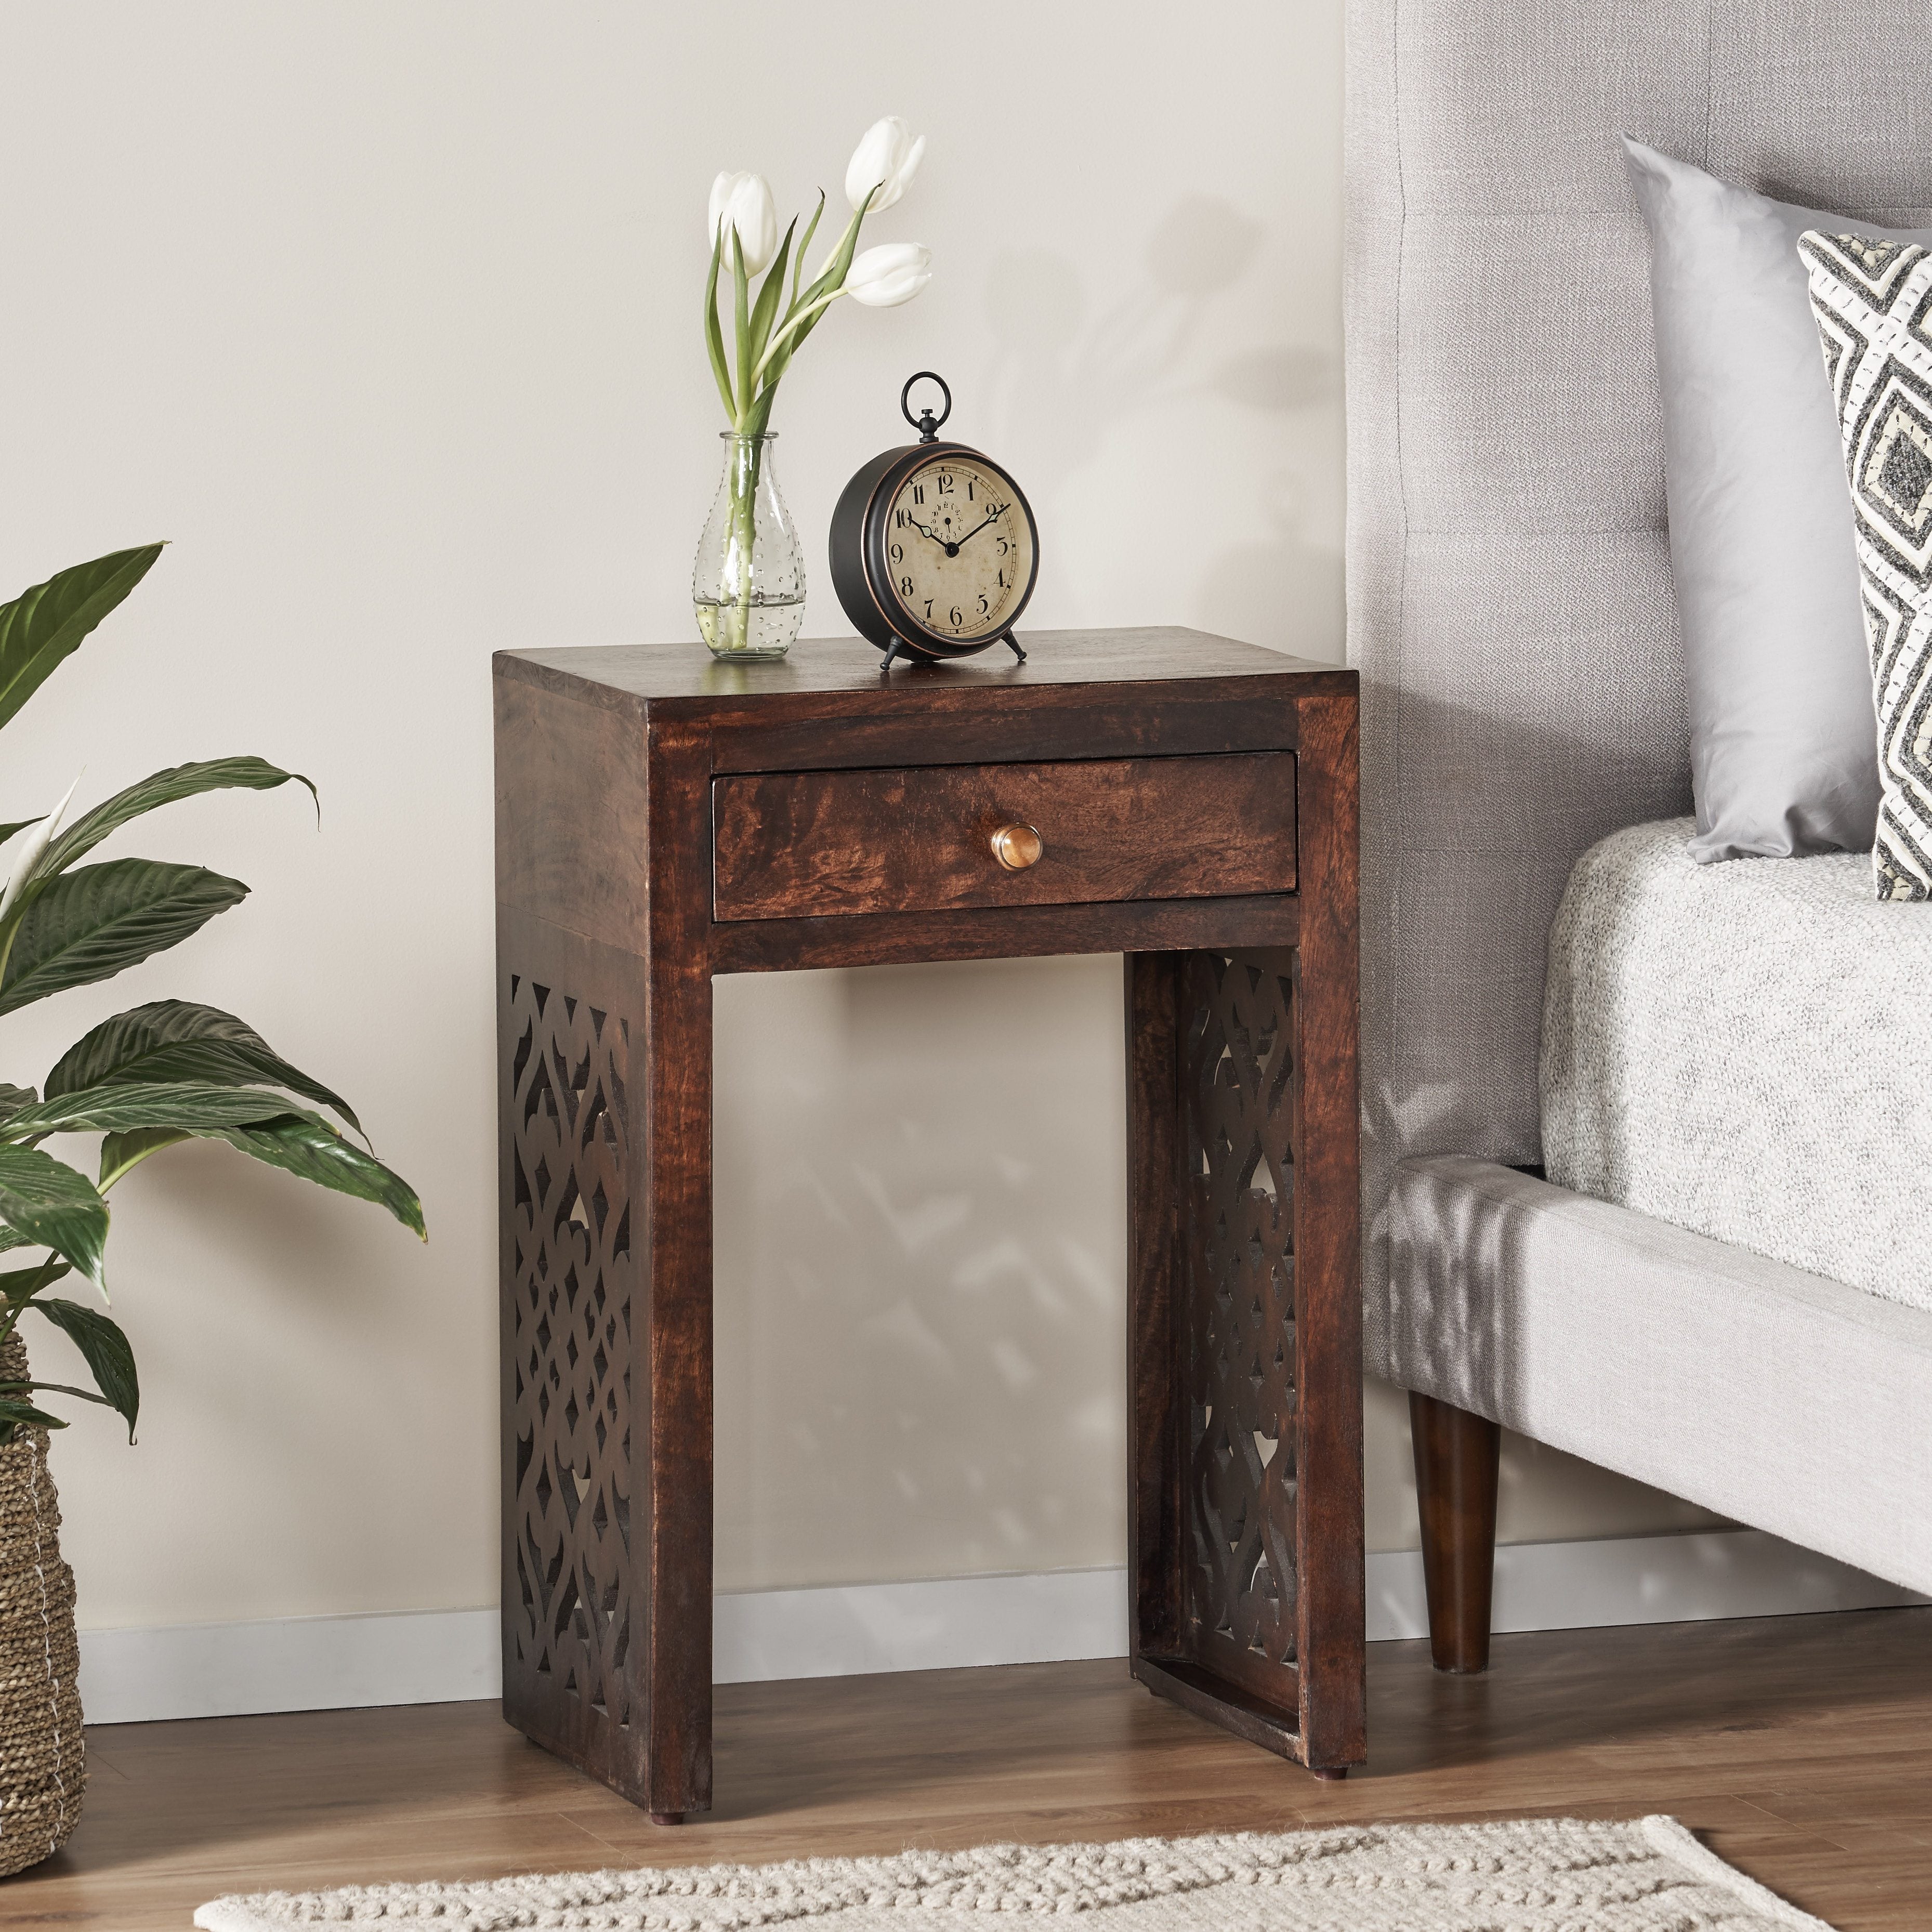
x: 933, y: 546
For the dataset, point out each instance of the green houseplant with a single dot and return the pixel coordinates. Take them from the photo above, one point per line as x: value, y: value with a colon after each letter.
x: 144, y: 1080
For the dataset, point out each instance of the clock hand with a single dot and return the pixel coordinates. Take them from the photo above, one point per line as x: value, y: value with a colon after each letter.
x: 924, y: 532
x: 991, y: 516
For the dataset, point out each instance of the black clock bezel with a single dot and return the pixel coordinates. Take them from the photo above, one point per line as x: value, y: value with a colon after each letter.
x: 861, y: 577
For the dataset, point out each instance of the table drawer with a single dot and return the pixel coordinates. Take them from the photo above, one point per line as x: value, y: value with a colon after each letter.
x: 798, y: 844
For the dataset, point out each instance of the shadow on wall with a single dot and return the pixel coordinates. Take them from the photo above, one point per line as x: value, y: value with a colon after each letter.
x: 919, y: 1216
x: 1078, y: 384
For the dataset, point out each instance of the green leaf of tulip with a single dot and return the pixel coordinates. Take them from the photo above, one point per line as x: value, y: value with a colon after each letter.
x: 109, y: 1359
x: 91, y: 924
x: 44, y: 625
x: 804, y: 247
x: 175, y: 1039
x: 49, y: 1204
x: 764, y: 311
x: 714, y: 339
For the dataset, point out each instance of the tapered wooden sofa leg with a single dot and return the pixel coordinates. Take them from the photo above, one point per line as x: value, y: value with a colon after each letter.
x: 1456, y: 1455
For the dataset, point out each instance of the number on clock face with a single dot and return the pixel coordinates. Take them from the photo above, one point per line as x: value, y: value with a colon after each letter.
x: 959, y: 548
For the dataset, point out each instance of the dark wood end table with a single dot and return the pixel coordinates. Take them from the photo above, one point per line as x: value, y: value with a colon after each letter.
x: 661, y: 819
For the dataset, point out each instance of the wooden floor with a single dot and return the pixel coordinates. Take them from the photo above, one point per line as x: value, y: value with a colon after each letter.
x: 1801, y: 1746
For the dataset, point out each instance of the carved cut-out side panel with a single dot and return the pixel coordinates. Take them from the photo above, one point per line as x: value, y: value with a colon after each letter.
x: 574, y: 1524
x: 1237, y: 1318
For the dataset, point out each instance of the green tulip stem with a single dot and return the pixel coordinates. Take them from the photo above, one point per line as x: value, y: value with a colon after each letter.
x: 748, y: 378
x: 747, y: 461
x: 798, y: 318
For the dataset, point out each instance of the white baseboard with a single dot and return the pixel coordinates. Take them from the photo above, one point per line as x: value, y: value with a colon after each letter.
x: 943, y: 1625
x: 316, y: 1663
x: 1638, y: 1579
x: 290, y: 1664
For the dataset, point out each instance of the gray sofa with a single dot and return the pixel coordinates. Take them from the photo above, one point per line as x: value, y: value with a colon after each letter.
x: 1510, y: 611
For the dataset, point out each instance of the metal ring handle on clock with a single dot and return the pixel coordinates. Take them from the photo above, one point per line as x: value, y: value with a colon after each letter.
x: 928, y: 429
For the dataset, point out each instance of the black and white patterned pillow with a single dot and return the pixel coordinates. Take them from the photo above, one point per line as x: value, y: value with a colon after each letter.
x: 1873, y: 302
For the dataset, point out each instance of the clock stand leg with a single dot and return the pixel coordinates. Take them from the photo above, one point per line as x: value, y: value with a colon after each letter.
x: 892, y: 651
x: 1015, y: 642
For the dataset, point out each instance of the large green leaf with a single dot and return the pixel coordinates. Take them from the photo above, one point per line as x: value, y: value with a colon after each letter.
x: 18, y: 1284
x: 91, y: 924
x: 109, y: 1359
x: 45, y: 625
x: 174, y: 1040
x: 303, y: 1143
x: 119, y: 1152
x: 12, y: 1388
x: 296, y: 1141
x: 192, y: 1104
x: 159, y: 788
x: 14, y: 1413
x: 49, y: 1204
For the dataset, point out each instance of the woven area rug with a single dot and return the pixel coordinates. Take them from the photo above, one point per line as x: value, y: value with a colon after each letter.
x: 1543, y: 1875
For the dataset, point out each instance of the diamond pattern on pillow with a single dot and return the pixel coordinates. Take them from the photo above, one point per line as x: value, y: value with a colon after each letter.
x: 1873, y: 301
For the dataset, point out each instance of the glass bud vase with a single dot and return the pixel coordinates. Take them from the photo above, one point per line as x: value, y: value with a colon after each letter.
x: 748, y: 585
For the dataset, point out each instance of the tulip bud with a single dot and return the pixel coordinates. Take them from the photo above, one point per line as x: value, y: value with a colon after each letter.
x: 886, y: 158
x: 743, y: 204
x: 894, y: 272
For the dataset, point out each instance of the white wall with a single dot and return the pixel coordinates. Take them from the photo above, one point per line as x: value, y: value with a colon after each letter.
x: 386, y: 315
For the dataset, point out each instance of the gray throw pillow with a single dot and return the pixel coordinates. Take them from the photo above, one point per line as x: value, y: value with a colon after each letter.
x: 1873, y: 303
x: 1783, y: 739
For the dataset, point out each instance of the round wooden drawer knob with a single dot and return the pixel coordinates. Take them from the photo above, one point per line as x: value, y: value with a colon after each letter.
x: 1017, y: 847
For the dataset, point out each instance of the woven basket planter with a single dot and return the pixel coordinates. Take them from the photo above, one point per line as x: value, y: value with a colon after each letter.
x: 42, y: 1758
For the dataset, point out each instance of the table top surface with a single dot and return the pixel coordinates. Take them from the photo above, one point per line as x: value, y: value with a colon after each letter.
x: 682, y: 673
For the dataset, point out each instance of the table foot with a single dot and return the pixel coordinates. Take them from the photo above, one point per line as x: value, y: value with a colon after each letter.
x: 1331, y: 1774
x: 668, y: 1817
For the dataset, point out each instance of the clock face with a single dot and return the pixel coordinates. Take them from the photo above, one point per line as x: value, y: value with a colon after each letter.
x: 959, y: 548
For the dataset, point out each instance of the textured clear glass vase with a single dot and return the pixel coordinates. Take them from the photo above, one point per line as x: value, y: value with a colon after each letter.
x: 748, y: 585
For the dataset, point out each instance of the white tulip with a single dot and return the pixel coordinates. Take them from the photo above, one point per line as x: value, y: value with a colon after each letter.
x: 35, y: 842
x: 742, y: 204
x: 886, y: 158
x: 884, y: 277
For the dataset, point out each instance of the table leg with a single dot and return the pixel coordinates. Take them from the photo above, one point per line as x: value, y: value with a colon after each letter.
x: 1155, y: 1554
x: 1243, y: 1469
x: 677, y: 1365
x: 606, y: 1211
